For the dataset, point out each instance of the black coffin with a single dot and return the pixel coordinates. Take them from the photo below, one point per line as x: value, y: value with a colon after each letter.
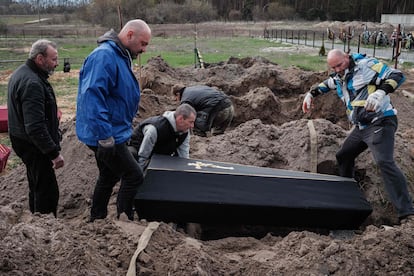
x: 189, y: 190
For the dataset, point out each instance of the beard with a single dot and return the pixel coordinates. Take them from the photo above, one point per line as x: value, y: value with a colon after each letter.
x: 135, y: 55
x: 50, y: 70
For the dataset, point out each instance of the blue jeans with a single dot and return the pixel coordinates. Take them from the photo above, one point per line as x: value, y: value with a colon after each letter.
x: 117, y: 164
x: 379, y: 138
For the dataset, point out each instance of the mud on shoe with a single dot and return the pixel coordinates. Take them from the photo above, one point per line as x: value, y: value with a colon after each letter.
x: 407, y: 219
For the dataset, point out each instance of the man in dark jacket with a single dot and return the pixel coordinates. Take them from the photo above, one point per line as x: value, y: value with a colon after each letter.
x: 34, y: 125
x: 167, y: 134
x: 107, y: 102
x: 215, y: 110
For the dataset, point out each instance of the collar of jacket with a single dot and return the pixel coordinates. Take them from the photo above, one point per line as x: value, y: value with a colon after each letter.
x: 42, y: 73
x: 113, y: 36
x: 351, y: 64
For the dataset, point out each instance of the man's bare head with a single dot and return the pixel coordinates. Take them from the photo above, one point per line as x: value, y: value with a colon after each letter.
x: 135, y: 36
x: 338, y: 61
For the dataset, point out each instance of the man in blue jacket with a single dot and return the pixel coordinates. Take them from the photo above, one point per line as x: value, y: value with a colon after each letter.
x: 108, y: 99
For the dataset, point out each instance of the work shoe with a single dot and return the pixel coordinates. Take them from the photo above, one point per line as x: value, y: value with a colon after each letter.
x: 407, y: 218
x: 123, y: 217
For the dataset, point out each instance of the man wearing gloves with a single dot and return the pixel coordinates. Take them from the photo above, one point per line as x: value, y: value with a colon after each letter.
x: 363, y: 85
x: 107, y: 102
x: 167, y: 134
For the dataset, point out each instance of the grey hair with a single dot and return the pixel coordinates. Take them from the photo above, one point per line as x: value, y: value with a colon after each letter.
x: 185, y: 110
x: 40, y: 47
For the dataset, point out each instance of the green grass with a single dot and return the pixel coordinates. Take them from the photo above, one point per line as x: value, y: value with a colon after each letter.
x: 65, y: 87
x: 176, y: 51
x: 19, y: 19
x: 309, y: 63
x: 180, y: 51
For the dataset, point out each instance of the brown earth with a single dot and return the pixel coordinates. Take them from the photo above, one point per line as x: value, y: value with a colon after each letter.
x: 269, y: 130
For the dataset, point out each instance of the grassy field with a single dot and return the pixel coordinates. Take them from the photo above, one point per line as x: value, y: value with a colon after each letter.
x: 176, y: 51
x: 19, y: 19
x: 180, y: 51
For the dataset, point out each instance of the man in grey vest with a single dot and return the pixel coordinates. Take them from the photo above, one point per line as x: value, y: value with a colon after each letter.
x: 166, y: 134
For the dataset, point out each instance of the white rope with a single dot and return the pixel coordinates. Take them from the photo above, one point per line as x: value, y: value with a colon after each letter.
x: 314, y: 147
x: 142, y: 244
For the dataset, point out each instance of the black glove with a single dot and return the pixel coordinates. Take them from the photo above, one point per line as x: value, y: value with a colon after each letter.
x: 106, y: 149
x: 314, y: 90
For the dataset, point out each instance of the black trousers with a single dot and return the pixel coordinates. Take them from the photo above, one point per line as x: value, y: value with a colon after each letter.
x: 114, y: 165
x: 43, y: 187
x: 379, y: 138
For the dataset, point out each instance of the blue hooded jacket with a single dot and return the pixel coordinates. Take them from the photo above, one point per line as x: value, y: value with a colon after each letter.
x: 108, y: 93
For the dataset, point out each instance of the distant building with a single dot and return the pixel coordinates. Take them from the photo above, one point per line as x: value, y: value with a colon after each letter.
x: 395, y: 19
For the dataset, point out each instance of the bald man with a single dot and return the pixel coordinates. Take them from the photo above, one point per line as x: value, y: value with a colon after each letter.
x: 108, y: 99
x: 364, y: 85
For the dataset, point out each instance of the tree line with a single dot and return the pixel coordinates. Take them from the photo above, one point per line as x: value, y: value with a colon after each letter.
x: 106, y: 12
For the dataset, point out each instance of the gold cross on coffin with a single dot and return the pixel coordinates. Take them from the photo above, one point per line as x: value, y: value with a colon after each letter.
x: 199, y: 165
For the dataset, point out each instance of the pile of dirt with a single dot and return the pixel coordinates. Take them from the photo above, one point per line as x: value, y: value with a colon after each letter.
x: 269, y: 130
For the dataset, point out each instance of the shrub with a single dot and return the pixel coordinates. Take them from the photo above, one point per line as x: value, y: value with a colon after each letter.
x: 276, y: 11
x: 315, y: 14
x: 235, y: 15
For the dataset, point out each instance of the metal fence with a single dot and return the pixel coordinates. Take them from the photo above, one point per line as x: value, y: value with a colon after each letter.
x: 55, y: 31
x: 15, y: 36
x: 399, y: 54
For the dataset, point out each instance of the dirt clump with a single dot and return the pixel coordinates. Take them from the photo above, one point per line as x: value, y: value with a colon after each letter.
x: 269, y: 130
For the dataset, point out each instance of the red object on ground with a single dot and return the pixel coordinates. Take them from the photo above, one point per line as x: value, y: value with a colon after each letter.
x: 4, y: 155
x: 3, y: 118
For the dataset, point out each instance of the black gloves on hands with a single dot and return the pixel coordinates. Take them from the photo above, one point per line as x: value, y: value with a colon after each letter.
x: 314, y: 90
x: 106, y: 149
